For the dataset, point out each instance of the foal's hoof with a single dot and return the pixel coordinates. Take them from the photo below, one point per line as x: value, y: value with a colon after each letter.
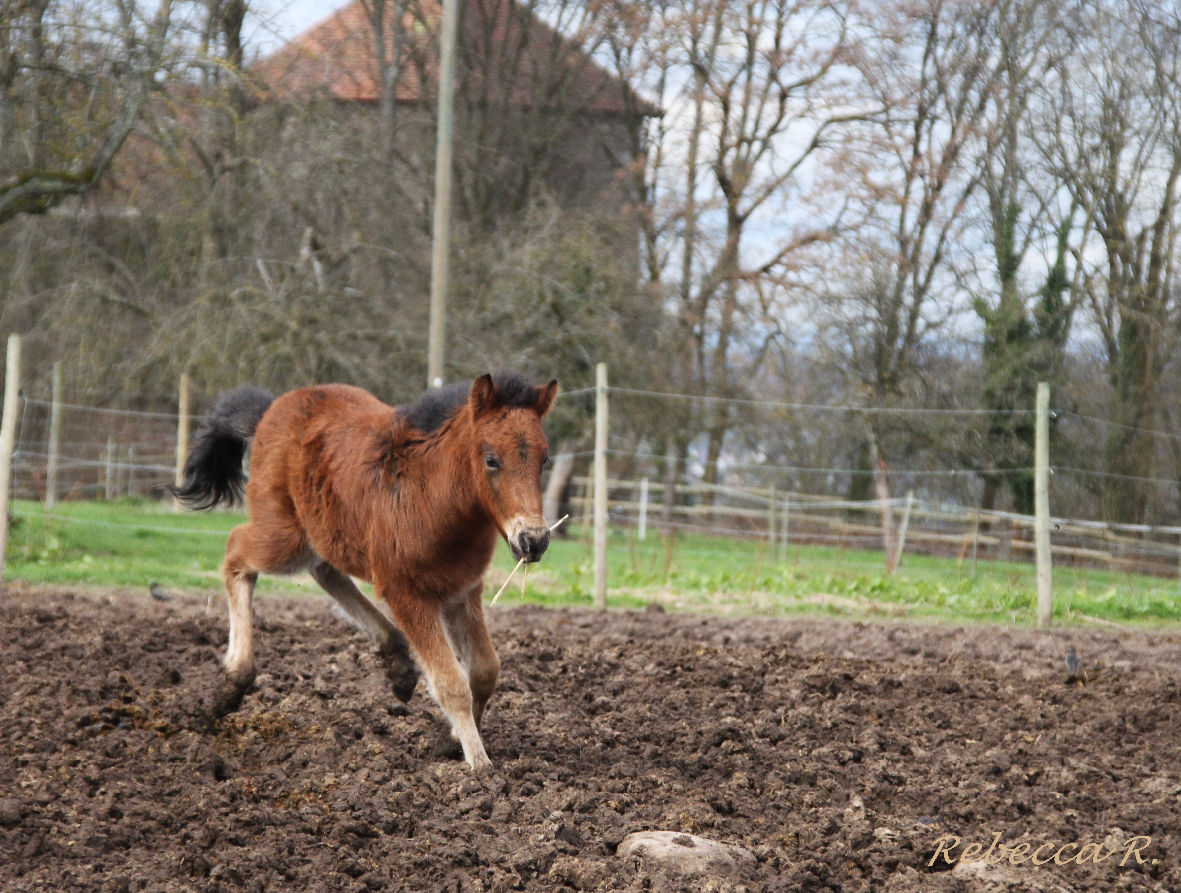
x: 400, y: 670
x: 229, y: 695
x: 480, y: 764
x: 404, y: 682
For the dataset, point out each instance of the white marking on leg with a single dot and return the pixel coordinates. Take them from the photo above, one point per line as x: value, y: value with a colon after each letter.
x: 465, y: 623
x: 239, y: 658
x: 456, y: 698
x: 469, y: 739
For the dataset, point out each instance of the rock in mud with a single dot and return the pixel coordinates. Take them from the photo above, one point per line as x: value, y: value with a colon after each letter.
x: 687, y: 854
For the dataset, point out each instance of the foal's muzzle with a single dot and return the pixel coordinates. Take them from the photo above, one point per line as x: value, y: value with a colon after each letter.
x: 529, y: 543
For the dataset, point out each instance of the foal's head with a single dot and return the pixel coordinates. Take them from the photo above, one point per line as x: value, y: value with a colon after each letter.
x: 508, y: 450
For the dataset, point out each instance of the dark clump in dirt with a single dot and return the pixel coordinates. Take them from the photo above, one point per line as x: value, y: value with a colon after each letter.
x: 844, y: 756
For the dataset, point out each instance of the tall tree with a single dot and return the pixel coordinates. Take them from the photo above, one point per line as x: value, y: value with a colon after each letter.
x: 1113, y: 136
x: 931, y: 67
x: 387, y: 18
x: 1024, y: 334
x: 754, y: 90
x: 74, y: 80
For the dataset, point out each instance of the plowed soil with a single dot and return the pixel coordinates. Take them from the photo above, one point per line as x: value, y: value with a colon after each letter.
x: 840, y: 754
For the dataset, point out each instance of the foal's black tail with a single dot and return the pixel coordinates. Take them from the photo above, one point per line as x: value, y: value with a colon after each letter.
x: 213, y: 471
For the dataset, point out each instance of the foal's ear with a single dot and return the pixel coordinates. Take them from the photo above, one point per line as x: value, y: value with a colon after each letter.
x: 484, y: 396
x: 546, y: 396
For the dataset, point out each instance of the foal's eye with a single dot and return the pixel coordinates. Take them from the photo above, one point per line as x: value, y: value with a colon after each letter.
x: 491, y: 461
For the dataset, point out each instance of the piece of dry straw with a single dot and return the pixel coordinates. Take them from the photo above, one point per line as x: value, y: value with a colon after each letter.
x: 525, y: 579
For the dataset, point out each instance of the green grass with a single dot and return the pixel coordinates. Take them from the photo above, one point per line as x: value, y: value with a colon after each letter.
x: 129, y: 543
x: 118, y: 543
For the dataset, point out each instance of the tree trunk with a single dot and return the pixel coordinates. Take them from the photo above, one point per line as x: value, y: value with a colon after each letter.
x: 860, y: 478
x: 556, y: 499
x: 674, y: 459
x: 1130, y: 447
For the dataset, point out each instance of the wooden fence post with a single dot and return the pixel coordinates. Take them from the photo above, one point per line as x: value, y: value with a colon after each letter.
x: 975, y: 538
x: 55, y: 433
x: 129, y: 473
x: 600, y: 498
x: 772, y: 517
x: 786, y: 525
x: 668, y: 498
x: 1041, y: 503
x: 642, y: 530
x: 882, y: 488
x: 182, y: 433
x: 8, y: 423
x: 900, y: 543
x: 109, y: 470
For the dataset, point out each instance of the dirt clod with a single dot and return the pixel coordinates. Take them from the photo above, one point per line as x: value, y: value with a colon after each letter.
x: 11, y: 811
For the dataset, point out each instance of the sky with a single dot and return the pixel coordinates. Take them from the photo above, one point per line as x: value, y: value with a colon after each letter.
x: 273, y: 22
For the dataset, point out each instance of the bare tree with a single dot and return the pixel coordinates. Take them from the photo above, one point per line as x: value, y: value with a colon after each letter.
x: 387, y: 18
x: 1113, y: 136
x: 931, y: 67
x: 74, y: 80
x: 753, y: 90
x: 1025, y: 328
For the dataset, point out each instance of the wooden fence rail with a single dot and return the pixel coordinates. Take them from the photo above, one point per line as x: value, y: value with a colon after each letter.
x: 783, y: 517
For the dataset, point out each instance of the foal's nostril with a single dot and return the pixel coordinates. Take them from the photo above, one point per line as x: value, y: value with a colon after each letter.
x: 533, y: 543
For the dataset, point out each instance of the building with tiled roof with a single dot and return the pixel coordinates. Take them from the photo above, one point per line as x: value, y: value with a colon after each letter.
x: 531, y: 106
x: 503, y: 47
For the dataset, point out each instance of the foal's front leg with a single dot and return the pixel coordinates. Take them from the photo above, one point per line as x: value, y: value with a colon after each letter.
x: 422, y: 622
x: 464, y: 618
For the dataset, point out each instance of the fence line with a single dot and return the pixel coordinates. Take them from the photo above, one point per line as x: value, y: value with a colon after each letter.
x: 157, y: 435
x: 1110, y: 424
x: 822, y: 407
x: 816, y: 520
x: 104, y: 410
x: 814, y: 469
x: 65, y: 449
x: 71, y: 449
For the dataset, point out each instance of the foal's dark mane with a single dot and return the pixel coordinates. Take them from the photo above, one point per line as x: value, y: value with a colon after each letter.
x: 433, y: 408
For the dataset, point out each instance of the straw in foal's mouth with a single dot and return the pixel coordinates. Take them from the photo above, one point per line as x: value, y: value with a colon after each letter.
x: 513, y: 572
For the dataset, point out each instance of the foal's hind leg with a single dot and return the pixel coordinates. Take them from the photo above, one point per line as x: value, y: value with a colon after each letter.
x: 250, y: 549
x: 474, y: 649
x: 422, y: 622
x: 239, y: 657
x: 391, y: 644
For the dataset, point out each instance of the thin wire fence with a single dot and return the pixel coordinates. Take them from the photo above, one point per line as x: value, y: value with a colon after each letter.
x: 101, y: 452
x: 787, y: 472
x: 877, y: 478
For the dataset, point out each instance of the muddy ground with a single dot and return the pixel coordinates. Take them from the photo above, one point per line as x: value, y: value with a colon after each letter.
x: 837, y: 753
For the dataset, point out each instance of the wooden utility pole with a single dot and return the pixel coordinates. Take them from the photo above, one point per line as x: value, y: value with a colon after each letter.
x: 441, y: 236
